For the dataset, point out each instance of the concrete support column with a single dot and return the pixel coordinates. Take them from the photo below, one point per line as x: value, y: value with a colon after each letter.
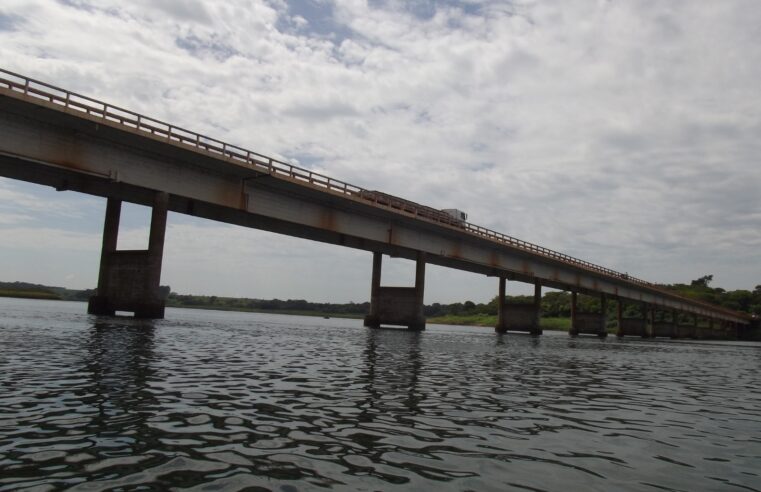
x: 603, y: 316
x: 130, y: 280
x: 620, y: 318
x: 645, y: 321
x: 110, y: 239
x: 419, y: 322
x: 574, y: 331
x: 734, y: 330
x: 372, y: 320
x: 586, y: 323
x: 157, y: 237
x: 518, y: 316
x: 397, y: 305
x: 538, y: 308
x: 678, y: 329
x: 501, y: 318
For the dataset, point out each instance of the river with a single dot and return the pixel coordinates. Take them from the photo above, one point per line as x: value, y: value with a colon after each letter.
x: 209, y: 400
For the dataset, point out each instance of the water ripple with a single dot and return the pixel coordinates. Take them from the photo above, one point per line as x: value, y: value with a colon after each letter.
x: 231, y: 401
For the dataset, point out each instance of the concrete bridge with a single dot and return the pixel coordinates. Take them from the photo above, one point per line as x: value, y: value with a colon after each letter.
x: 55, y: 137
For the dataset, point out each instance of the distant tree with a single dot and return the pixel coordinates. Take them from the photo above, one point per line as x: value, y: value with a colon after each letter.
x: 164, y: 291
x: 702, y: 281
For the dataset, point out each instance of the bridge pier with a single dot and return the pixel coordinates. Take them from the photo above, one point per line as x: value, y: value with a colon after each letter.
x: 518, y: 316
x: 751, y: 331
x: 631, y: 326
x: 589, y: 323
x: 397, y: 305
x: 664, y: 329
x: 129, y: 280
x: 698, y: 331
x: 682, y: 330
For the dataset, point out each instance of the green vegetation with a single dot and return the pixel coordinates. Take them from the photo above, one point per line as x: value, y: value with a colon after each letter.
x: 556, y: 306
x: 38, y: 291
x: 740, y: 300
x: 29, y: 294
x: 547, y: 323
x: 290, y: 306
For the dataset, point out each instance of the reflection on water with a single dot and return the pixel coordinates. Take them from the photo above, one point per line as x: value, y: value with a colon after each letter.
x: 229, y: 401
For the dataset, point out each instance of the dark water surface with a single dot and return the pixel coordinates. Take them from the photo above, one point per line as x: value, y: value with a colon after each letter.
x: 230, y: 401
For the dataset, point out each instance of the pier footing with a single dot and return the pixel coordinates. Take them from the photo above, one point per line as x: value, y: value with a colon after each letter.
x: 129, y: 279
x: 518, y: 316
x: 397, y: 305
x: 588, y: 323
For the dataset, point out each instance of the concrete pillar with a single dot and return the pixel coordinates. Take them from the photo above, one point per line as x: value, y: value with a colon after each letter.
x: 585, y: 323
x: 518, y: 316
x: 397, y: 305
x: 604, y: 316
x: 130, y: 280
x: 620, y: 318
x: 538, y: 308
x: 110, y: 239
x: 574, y: 328
x: 501, y: 318
x: 679, y: 330
x: 646, y: 332
x: 419, y: 322
x: 372, y: 320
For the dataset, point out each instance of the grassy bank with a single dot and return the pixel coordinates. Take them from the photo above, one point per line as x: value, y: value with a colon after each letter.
x: 561, y: 324
x: 293, y: 312
x: 29, y: 294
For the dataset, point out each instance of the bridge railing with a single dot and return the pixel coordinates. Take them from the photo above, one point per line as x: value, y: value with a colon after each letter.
x: 275, y: 167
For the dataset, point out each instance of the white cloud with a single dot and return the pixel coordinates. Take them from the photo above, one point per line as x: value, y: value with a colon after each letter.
x: 626, y: 133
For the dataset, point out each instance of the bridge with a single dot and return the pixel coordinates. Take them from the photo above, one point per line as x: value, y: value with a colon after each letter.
x: 54, y: 137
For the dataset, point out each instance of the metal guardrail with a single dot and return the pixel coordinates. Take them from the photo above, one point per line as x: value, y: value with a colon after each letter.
x: 278, y: 168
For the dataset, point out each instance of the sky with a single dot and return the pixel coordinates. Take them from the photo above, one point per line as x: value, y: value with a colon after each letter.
x: 627, y: 133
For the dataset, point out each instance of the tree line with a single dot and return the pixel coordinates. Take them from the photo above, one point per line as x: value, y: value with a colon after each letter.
x: 553, y: 304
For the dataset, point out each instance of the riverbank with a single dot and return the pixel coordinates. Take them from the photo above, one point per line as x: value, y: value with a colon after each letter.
x: 486, y: 320
x: 29, y: 294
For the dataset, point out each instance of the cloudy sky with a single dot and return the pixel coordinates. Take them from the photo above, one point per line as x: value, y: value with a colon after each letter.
x: 623, y: 132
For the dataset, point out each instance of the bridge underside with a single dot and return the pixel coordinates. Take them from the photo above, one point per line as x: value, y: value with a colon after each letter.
x: 72, y: 151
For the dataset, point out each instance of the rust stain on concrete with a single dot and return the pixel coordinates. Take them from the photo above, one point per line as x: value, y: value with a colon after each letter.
x: 494, y: 260
x: 328, y: 220
x: 456, y: 251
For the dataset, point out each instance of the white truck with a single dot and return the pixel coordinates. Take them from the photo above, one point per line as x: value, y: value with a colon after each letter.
x: 457, y: 215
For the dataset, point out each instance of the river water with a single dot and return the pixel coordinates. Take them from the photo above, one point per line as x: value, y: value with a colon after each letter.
x: 208, y: 400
